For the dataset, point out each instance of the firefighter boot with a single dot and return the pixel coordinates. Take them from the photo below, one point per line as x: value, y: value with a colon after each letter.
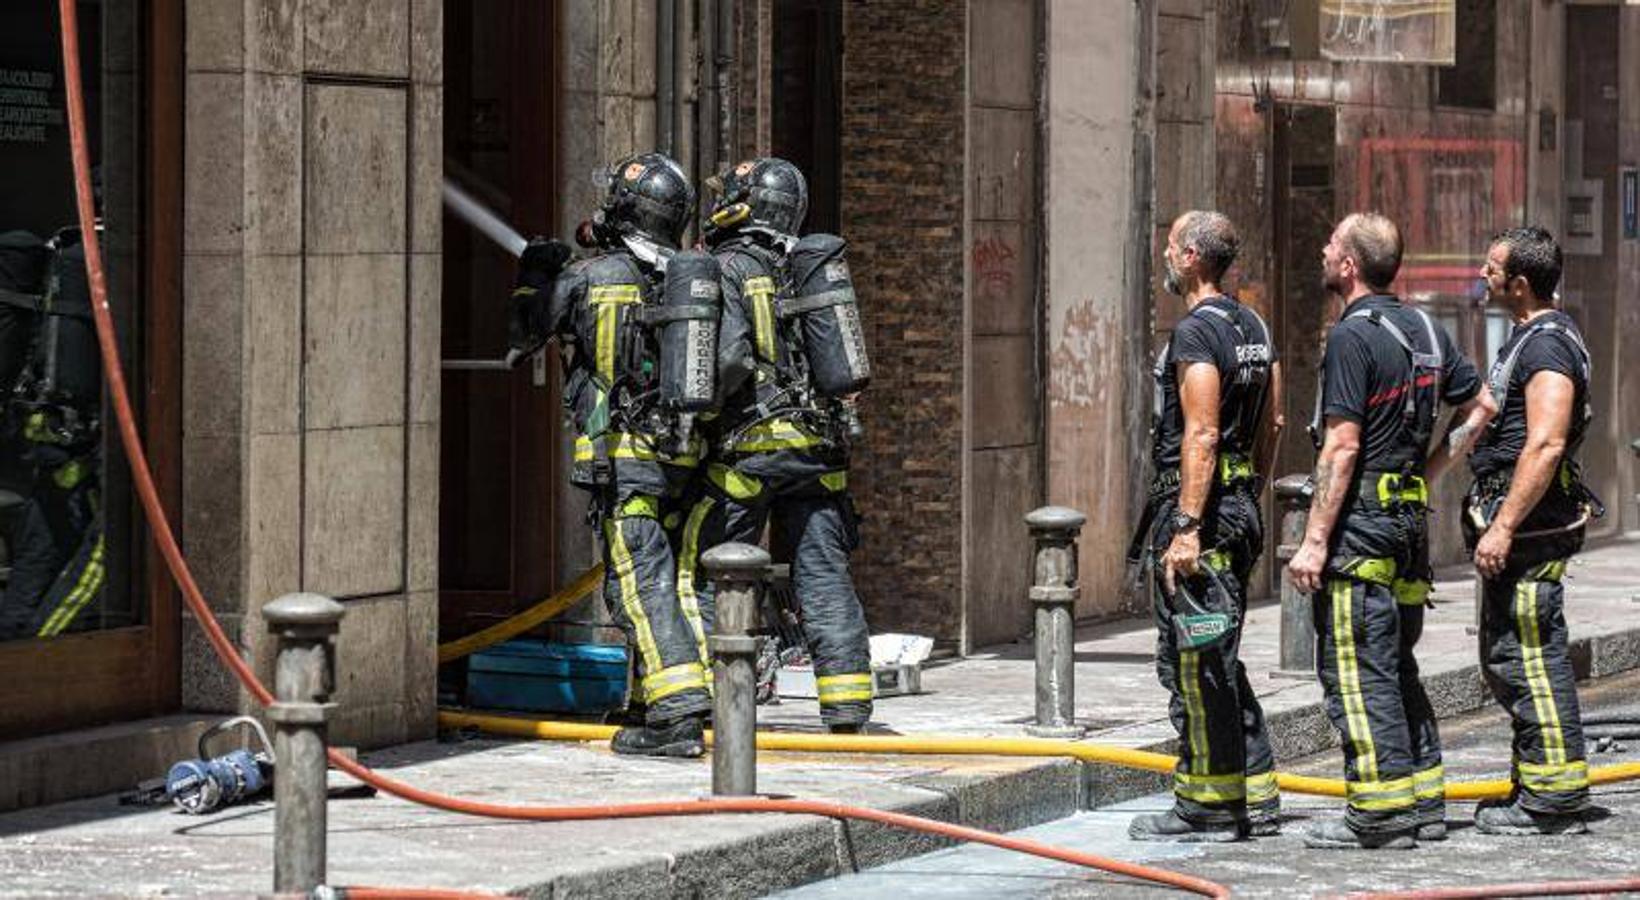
x: 685, y: 738
x: 1509, y: 817
x: 1336, y: 834
x: 1170, y: 826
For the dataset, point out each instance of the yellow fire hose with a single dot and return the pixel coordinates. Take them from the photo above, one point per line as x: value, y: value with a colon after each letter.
x: 524, y: 621
x: 936, y: 745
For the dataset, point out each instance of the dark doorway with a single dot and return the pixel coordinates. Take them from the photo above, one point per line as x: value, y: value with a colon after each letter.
x: 807, y: 79
x: 499, y: 465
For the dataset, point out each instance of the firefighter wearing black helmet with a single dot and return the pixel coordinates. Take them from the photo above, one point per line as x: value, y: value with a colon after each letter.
x: 635, y: 447
x: 791, y: 358
x: 1387, y: 369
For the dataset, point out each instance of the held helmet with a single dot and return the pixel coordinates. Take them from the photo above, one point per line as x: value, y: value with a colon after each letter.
x: 767, y: 193
x: 646, y: 196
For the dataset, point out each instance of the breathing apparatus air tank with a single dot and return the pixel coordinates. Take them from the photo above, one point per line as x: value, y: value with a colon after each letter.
x: 828, y: 316
x: 686, y: 328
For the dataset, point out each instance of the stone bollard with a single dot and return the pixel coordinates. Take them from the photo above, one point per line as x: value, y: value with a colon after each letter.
x: 1297, y: 627
x: 304, y: 674
x: 736, y: 572
x: 1054, y: 530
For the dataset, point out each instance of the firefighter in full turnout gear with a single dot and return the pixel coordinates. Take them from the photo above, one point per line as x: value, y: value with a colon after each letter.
x: 1387, y: 369
x: 50, y: 436
x: 792, y: 358
x: 1216, y: 419
x: 1524, y: 517
x: 636, y: 320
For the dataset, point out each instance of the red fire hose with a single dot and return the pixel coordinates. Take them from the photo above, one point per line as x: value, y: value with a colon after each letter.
x: 1519, y: 889
x: 142, y: 478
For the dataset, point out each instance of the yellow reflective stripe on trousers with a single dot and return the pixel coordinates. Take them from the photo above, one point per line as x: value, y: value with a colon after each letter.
x: 671, y: 680
x: 1195, y: 711
x: 1381, y: 796
x: 627, y: 578
x: 760, y: 289
x: 776, y: 434
x: 1429, y: 784
x: 844, y: 688
x: 1553, y: 570
x: 1410, y: 593
x: 89, y: 583
x: 1572, y: 776
x: 1209, y: 788
x: 1537, y: 673
x: 1349, y: 684
x: 1262, y: 788
x: 687, y: 598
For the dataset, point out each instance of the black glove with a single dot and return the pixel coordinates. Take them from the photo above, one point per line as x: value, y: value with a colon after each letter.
x: 538, y: 268
x: 543, y: 259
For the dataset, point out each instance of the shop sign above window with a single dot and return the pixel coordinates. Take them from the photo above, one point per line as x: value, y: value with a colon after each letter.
x: 1395, y: 31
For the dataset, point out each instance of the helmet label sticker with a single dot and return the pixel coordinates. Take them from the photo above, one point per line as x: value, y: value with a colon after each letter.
x: 633, y: 171
x: 746, y: 167
x: 836, y: 270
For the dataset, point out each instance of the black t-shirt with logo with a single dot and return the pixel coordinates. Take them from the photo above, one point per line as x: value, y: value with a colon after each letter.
x: 1203, y: 337
x: 1548, y: 351
x: 1365, y: 373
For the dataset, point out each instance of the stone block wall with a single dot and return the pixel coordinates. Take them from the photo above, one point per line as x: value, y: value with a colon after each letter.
x: 904, y: 132
x: 1004, y: 408
x: 311, y: 351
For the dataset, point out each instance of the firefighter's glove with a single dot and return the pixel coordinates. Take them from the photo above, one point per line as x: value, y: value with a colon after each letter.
x: 543, y: 259
x: 538, y: 268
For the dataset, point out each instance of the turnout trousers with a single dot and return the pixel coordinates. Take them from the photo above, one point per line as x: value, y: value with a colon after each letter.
x: 1524, y: 655
x: 806, y: 501
x: 56, y: 546
x: 640, y: 589
x: 1367, y: 626
x: 1226, y: 769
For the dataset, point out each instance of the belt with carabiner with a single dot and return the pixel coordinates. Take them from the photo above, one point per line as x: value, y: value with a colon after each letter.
x: 1392, y: 490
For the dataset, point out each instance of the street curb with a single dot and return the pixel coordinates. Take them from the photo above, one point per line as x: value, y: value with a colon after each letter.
x: 798, y: 850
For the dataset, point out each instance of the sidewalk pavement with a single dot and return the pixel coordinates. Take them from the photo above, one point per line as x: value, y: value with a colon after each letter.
x: 96, y: 847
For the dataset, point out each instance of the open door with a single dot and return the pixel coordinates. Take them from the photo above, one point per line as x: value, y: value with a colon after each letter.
x: 498, y: 465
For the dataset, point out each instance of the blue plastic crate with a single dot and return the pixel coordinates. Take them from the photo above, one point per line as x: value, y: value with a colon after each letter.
x: 544, y: 676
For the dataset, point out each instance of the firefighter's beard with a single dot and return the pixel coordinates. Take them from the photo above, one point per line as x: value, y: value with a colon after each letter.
x: 1172, y: 281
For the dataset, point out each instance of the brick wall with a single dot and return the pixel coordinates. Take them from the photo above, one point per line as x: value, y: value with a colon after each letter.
x: 902, y: 205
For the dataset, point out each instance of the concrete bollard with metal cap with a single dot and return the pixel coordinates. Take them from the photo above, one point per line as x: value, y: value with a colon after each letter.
x: 1054, y: 530
x: 1297, y: 627
x: 736, y: 572
x: 304, y: 675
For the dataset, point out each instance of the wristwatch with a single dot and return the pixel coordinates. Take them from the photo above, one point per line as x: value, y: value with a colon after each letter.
x: 1183, y: 521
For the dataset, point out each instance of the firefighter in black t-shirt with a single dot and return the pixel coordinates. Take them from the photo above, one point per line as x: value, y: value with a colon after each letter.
x: 1216, y: 419
x: 1387, y: 369
x: 1524, y: 516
